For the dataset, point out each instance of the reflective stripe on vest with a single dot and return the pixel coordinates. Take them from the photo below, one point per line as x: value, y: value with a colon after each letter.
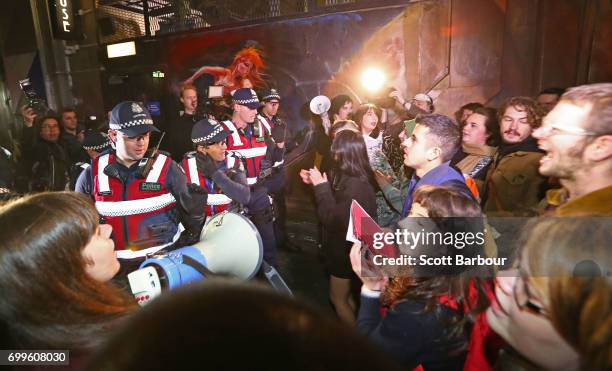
x: 103, y: 178
x: 215, y: 199
x: 132, y: 254
x: 157, y: 168
x: 133, y: 207
x: 251, y: 181
x: 263, y: 121
x: 235, y: 135
x: 192, y: 169
x: 250, y: 152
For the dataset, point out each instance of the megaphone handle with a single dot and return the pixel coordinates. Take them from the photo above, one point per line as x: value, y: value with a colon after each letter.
x: 275, y: 279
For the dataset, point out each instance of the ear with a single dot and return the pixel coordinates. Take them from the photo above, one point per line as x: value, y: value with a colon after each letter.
x: 434, y: 153
x: 112, y: 135
x: 600, y: 149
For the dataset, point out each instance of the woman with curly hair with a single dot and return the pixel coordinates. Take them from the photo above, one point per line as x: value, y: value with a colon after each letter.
x: 431, y: 310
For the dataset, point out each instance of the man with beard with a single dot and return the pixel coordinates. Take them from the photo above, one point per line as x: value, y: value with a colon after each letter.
x: 513, y: 184
x: 577, y: 138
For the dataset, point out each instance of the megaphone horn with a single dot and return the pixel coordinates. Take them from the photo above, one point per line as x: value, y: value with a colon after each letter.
x: 231, y: 245
x: 319, y: 104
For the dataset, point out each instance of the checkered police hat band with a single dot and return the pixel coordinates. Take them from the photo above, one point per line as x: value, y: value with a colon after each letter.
x: 130, y: 124
x: 246, y: 101
x: 98, y: 147
x: 219, y: 129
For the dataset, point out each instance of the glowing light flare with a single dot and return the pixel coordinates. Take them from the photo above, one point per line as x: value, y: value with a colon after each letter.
x: 373, y: 79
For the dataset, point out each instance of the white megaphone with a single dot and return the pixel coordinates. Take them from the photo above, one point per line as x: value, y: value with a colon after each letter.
x: 319, y: 105
x: 229, y: 245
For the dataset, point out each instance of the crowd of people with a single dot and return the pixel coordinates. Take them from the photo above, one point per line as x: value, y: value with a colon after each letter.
x: 95, y: 205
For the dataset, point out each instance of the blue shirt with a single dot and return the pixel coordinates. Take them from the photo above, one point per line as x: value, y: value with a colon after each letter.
x: 441, y: 175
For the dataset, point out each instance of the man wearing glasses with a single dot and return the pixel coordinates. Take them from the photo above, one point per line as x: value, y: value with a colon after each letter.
x: 146, y: 200
x: 514, y: 187
x: 577, y: 138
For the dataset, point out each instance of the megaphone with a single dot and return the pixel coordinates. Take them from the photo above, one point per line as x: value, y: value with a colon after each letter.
x: 229, y: 244
x: 320, y: 105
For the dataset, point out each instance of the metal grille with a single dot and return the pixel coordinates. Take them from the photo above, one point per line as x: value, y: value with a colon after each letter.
x: 130, y: 19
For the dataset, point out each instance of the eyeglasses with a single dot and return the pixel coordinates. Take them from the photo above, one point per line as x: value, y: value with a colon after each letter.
x: 524, y: 299
x: 550, y: 130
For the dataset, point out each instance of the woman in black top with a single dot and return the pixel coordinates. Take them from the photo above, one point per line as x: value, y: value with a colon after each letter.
x: 351, y: 178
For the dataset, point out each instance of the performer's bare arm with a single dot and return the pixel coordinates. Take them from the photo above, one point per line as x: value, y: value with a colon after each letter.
x: 212, y: 70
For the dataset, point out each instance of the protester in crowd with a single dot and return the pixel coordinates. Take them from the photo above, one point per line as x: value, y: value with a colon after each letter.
x: 261, y: 153
x: 177, y: 140
x: 55, y: 278
x: 46, y: 160
x: 341, y: 109
x: 465, y: 111
x: 235, y: 327
x: 432, y: 144
x: 549, y: 97
x: 555, y: 308
x: 148, y: 205
x: 342, y: 125
x: 207, y: 167
x: 577, y: 138
x: 350, y: 179
x: 70, y: 134
x: 513, y: 184
x: 420, y: 104
x: 367, y: 118
x: 479, y: 144
x: 431, y: 309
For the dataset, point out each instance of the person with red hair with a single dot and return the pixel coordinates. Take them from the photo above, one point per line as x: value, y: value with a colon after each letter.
x: 244, y: 72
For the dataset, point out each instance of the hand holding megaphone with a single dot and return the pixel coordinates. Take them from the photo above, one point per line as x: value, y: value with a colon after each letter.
x: 319, y: 105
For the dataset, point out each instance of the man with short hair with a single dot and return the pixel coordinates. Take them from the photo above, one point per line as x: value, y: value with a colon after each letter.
x: 249, y: 143
x: 178, y: 141
x: 428, y: 150
x: 433, y: 143
x: 277, y: 130
x: 577, y: 138
x: 513, y: 184
x: 69, y: 135
x: 147, y: 206
x: 548, y: 98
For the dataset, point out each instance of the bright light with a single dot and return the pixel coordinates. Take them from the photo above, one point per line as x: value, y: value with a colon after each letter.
x: 121, y: 49
x: 373, y: 79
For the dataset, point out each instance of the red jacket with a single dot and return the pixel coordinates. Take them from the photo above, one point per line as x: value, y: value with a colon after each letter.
x: 216, y: 201
x: 142, y: 212
x: 252, y: 147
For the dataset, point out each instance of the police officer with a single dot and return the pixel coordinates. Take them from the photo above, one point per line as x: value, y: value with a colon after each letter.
x: 146, y: 200
x: 277, y: 130
x: 248, y: 141
x: 94, y: 143
x: 207, y: 167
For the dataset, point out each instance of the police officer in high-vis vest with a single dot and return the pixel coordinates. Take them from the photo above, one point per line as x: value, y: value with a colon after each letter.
x: 207, y: 167
x: 94, y: 144
x: 249, y: 143
x: 269, y: 119
x: 147, y: 202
